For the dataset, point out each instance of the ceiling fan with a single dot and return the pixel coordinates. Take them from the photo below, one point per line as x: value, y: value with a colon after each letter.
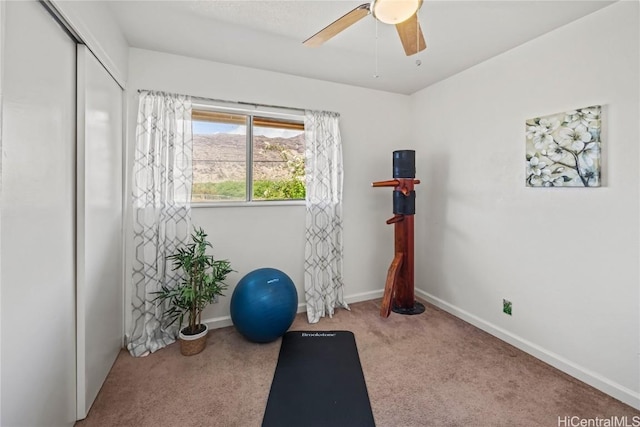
x: 401, y: 13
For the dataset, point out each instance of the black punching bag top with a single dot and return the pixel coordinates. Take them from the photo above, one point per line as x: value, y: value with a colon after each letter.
x: 404, y: 164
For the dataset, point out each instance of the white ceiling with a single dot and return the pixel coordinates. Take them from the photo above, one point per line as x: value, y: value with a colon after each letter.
x: 268, y: 35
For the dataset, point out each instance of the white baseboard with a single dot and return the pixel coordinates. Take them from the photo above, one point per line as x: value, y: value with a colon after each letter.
x: 595, y: 380
x: 224, y: 321
x: 218, y: 322
x: 364, y: 296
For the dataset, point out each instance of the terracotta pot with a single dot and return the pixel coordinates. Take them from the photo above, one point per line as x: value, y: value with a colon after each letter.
x: 193, y: 344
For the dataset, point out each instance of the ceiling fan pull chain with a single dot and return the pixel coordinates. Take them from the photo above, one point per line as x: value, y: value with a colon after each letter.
x: 375, y: 73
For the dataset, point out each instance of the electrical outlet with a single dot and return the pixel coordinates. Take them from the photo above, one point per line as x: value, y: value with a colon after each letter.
x: 506, y: 307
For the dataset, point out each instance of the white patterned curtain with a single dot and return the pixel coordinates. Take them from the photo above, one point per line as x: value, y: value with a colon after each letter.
x: 323, y: 282
x: 161, y: 199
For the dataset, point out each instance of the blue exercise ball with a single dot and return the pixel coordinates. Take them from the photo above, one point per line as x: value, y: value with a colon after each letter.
x: 264, y: 304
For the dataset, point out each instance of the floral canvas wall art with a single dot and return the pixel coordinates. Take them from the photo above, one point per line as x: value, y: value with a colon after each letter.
x: 563, y: 149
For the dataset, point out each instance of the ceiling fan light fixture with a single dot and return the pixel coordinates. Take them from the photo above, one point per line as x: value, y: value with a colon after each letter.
x: 394, y: 11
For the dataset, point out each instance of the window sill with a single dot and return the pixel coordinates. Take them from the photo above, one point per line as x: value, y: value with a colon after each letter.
x: 247, y: 204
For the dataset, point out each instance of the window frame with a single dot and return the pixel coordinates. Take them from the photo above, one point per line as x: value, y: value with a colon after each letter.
x: 258, y: 111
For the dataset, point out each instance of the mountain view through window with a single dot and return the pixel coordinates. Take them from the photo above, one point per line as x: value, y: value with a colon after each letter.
x: 235, y: 155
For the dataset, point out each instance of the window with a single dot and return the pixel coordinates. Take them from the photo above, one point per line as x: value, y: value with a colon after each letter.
x: 242, y: 157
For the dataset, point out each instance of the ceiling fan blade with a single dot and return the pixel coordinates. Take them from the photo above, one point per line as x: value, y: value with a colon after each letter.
x: 411, y: 36
x: 337, y: 26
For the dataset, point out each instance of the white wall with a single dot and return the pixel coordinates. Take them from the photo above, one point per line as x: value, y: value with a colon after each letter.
x: 95, y: 24
x: 373, y: 124
x: 567, y: 258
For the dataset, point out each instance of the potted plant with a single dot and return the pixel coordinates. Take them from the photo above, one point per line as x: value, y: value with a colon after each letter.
x: 202, y: 281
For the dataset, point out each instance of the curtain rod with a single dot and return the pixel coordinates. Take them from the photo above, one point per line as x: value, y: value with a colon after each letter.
x: 251, y: 104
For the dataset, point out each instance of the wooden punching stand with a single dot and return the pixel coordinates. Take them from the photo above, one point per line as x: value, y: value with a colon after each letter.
x: 399, y: 287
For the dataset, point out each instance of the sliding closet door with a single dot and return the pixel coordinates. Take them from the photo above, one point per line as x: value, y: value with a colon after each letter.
x: 99, y: 216
x: 38, y: 228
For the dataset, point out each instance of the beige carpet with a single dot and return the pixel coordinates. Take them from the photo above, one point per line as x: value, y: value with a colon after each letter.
x: 427, y: 370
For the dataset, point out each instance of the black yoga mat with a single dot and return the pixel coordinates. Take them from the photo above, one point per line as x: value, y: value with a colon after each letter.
x: 318, y: 382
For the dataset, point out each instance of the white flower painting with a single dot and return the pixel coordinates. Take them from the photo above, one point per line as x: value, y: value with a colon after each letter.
x: 563, y: 150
